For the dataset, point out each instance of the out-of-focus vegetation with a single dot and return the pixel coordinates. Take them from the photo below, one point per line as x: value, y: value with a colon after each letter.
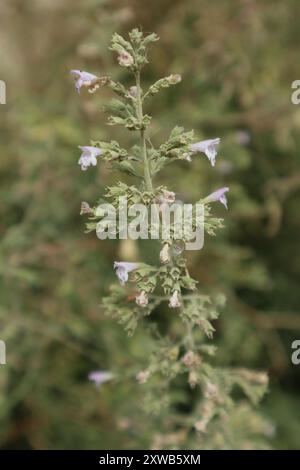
x: 238, y: 59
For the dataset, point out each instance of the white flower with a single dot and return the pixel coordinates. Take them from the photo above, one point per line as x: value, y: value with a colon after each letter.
x: 164, y: 254
x: 85, y: 79
x: 142, y: 299
x: 89, y: 156
x: 122, y: 269
x: 174, y: 300
x: 167, y: 197
x: 218, y: 195
x: 209, y: 147
x: 99, y: 377
x: 133, y: 91
x: 86, y: 208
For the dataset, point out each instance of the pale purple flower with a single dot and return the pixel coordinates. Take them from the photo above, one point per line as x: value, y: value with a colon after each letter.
x: 209, y: 147
x: 84, y: 79
x: 218, y: 195
x: 123, y: 269
x: 99, y: 377
x: 174, y: 300
x: 89, y: 156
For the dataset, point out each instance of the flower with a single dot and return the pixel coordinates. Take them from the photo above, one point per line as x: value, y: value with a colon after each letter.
x: 89, y: 156
x: 206, y: 146
x: 125, y: 59
x: 164, y: 254
x: 218, y: 195
x: 85, y: 79
x: 85, y: 208
x: 133, y: 91
x: 142, y: 299
x: 167, y: 197
x: 174, y: 79
x: 193, y: 378
x: 164, y: 199
x: 99, y: 377
x: 190, y: 359
x: 211, y: 390
x: 174, y: 300
x: 122, y: 269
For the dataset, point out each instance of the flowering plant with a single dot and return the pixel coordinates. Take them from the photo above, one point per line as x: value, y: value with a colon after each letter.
x: 219, y: 404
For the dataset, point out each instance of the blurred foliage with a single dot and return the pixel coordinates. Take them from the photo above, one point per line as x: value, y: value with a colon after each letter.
x: 238, y: 59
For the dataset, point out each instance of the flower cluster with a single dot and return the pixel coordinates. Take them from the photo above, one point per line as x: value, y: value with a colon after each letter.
x: 142, y: 288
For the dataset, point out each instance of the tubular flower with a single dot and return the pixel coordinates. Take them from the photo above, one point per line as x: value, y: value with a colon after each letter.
x: 218, y: 195
x: 88, y: 157
x: 99, y: 377
x: 85, y: 79
x: 209, y: 147
x: 123, y: 269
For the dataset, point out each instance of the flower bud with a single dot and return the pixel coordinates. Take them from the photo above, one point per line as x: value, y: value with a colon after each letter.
x: 190, y: 359
x: 133, y: 91
x: 125, y: 59
x: 85, y: 208
x: 211, y: 390
x: 193, y: 379
x: 164, y: 254
x: 167, y: 197
x: 201, y: 425
x: 174, y: 78
x: 142, y: 299
x: 174, y: 300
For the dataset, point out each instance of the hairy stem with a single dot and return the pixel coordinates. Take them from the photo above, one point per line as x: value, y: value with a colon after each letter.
x: 147, y: 174
x: 148, y: 182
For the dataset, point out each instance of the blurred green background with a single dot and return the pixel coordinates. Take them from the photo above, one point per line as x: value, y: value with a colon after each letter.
x: 238, y: 59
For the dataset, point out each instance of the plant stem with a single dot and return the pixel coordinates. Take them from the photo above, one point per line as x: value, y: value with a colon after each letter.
x: 147, y: 174
x: 148, y: 182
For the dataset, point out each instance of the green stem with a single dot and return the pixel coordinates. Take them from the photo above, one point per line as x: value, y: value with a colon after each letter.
x: 147, y: 174
x: 148, y: 182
